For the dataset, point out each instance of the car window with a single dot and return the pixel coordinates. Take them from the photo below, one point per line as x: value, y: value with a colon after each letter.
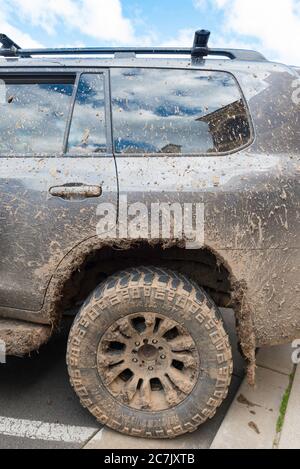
x: 88, y: 130
x: 34, y: 112
x: 177, y: 111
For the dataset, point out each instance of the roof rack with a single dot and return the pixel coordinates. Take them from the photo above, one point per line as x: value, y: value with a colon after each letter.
x: 9, y: 47
x: 199, y: 50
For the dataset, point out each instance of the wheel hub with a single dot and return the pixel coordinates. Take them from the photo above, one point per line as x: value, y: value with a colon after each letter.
x: 148, y: 352
x: 148, y: 361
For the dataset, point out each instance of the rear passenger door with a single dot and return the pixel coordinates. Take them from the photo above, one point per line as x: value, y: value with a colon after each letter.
x: 56, y: 166
x: 175, y: 132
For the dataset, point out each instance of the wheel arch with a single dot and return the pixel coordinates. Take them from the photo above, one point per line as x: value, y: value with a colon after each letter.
x: 93, y: 260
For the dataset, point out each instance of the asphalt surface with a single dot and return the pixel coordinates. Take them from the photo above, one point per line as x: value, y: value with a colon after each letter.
x: 38, y: 408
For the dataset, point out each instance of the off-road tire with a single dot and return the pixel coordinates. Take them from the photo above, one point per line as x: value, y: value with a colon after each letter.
x: 153, y: 290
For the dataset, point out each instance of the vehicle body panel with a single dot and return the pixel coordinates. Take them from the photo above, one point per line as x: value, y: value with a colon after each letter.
x: 251, y: 199
x: 39, y: 229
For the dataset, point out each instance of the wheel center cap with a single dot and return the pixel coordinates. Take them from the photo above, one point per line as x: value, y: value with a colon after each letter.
x: 148, y: 352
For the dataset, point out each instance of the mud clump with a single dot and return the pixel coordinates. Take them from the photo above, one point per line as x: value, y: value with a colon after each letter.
x: 21, y: 338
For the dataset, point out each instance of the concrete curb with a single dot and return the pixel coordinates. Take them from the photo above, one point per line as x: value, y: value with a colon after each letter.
x: 290, y: 434
x: 251, y: 420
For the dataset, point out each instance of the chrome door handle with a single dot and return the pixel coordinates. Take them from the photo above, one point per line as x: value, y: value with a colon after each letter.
x: 75, y: 191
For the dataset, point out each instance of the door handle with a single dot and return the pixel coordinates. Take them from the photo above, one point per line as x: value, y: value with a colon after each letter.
x: 75, y: 191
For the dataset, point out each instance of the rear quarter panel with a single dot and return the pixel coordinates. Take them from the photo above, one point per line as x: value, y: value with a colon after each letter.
x: 251, y: 200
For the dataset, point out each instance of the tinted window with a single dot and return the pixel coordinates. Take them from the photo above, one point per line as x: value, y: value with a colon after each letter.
x: 87, y: 133
x: 177, y: 111
x: 34, y: 113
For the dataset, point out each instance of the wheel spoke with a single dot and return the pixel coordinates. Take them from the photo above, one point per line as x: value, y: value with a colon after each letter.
x: 180, y: 380
x: 110, y: 359
x: 114, y: 336
x: 182, y: 343
x: 145, y: 393
x: 130, y: 389
x: 188, y: 360
x: 127, y: 328
x: 112, y: 373
x: 165, y: 326
x: 150, y: 322
x: 171, y: 394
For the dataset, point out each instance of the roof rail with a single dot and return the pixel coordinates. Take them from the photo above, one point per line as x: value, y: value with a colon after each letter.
x: 198, y: 51
x: 8, y: 46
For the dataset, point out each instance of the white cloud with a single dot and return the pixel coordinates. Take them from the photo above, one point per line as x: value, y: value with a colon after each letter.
x: 22, y: 39
x: 274, y: 24
x: 184, y: 38
x: 199, y: 3
x: 96, y: 18
x: 100, y: 19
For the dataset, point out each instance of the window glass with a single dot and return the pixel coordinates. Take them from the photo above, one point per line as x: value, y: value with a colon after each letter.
x: 88, y: 131
x: 177, y: 111
x: 34, y: 112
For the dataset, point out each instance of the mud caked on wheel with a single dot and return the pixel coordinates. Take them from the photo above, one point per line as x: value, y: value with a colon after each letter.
x: 148, y: 354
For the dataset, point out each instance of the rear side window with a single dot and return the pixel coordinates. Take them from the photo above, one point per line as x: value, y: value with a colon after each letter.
x: 177, y: 111
x: 34, y: 113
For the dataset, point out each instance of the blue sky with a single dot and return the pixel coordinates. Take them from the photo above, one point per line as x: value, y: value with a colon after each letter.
x: 234, y: 23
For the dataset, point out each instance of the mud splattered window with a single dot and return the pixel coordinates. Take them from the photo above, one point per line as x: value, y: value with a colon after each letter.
x: 88, y: 131
x: 34, y: 112
x: 177, y: 111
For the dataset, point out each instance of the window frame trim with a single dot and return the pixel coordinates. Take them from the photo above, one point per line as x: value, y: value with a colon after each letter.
x: 107, y: 113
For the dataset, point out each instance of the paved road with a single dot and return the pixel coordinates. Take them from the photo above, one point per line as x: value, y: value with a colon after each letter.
x: 38, y: 408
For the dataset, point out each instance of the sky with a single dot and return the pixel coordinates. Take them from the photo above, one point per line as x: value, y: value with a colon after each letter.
x: 270, y: 26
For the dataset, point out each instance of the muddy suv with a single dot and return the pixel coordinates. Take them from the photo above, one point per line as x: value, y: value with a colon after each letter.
x: 142, y: 190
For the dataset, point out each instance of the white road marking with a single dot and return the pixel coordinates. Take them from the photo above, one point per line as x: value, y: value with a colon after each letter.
x: 37, y: 430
